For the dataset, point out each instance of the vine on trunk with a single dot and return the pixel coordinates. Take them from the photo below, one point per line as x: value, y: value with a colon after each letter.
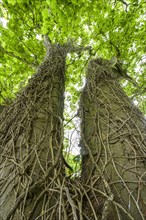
x: 112, y: 145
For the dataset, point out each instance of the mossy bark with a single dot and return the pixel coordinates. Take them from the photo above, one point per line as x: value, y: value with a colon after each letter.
x: 113, y: 146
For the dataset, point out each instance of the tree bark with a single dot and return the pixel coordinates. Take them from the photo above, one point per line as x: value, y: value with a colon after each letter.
x: 33, y: 182
x: 31, y: 143
x: 113, y: 146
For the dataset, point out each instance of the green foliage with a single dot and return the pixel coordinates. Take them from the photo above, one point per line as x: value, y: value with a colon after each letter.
x: 109, y: 27
x: 74, y: 162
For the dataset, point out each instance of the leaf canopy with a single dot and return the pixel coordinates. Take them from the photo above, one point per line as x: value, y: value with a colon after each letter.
x: 111, y: 28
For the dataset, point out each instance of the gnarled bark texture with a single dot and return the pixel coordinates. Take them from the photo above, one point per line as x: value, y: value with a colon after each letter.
x: 30, y: 144
x: 113, y: 147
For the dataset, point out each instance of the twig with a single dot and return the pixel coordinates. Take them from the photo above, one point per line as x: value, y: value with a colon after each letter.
x: 71, y: 203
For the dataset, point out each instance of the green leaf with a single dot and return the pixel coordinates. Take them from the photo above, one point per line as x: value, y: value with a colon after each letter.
x: 13, y: 2
x: 45, y: 13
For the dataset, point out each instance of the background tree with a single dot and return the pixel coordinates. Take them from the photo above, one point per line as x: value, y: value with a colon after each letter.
x: 113, y: 28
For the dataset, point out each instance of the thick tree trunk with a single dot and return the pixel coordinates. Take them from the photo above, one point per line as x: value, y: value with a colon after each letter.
x: 113, y: 147
x: 33, y: 182
x: 30, y: 144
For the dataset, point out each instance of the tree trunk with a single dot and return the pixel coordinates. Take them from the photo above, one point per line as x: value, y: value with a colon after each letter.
x: 33, y: 182
x: 31, y: 144
x: 113, y: 147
